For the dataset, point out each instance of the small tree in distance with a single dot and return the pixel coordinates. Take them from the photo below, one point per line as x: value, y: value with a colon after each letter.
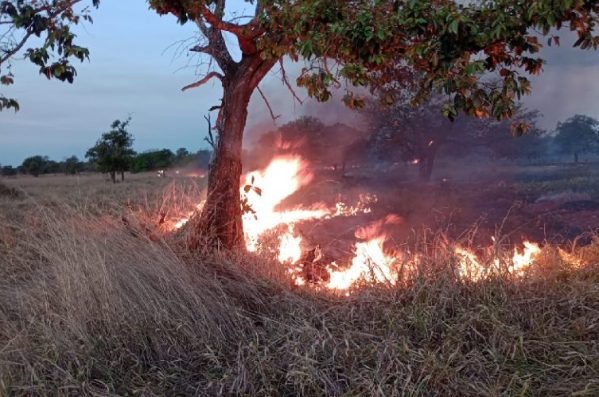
x: 35, y: 165
x: 112, y: 153
x: 71, y: 166
x: 577, y: 135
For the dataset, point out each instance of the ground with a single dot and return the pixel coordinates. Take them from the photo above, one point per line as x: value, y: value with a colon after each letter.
x: 96, y: 299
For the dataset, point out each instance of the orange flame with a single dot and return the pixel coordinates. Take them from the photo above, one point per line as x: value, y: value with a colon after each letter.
x: 370, y: 261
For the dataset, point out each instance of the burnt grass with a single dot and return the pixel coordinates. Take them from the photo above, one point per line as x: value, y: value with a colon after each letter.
x: 88, y: 308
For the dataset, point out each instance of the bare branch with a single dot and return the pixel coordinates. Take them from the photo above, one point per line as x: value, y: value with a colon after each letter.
x: 286, y: 82
x: 272, y: 115
x: 210, y: 138
x: 216, y: 47
x: 206, y: 79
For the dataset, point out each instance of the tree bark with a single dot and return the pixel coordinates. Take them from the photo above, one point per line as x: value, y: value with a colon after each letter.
x: 427, y: 164
x: 220, y: 223
x: 113, y: 177
x: 122, y: 176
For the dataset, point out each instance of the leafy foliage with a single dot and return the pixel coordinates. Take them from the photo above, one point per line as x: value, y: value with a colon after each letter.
x: 35, y: 165
x: 451, y: 44
x: 113, y: 153
x: 578, y: 134
x: 152, y: 160
x: 50, y: 20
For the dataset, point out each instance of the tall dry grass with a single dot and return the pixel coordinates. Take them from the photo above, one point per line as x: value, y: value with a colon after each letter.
x: 91, y: 306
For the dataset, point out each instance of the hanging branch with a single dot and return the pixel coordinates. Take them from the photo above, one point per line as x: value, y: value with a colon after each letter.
x: 286, y: 82
x: 272, y: 114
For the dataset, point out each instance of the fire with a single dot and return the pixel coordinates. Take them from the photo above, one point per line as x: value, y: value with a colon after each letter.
x: 263, y: 194
x: 290, y: 250
x: 182, y: 222
x: 284, y: 176
x: 265, y: 190
x: 522, y: 261
x: 470, y: 267
x: 370, y: 261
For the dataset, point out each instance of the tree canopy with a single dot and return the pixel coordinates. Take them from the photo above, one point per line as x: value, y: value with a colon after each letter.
x: 50, y: 20
x: 577, y: 135
x: 113, y: 153
x: 35, y: 165
x: 372, y: 43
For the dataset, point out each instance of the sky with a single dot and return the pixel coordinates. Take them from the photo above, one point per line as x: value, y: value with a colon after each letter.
x: 134, y: 69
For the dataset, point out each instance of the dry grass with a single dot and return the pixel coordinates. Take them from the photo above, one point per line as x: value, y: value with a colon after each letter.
x: 90, y: 307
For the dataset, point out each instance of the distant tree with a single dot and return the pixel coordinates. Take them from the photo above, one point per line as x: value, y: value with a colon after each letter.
x: 417, y: 134
x: 112, y: 153
x: 577, y: 135
x: 181, y: 154
x: 21, y: 21
x: 533, y: 144
x: 35, y: 165
x: 8, y: 171
x: 152, y: 160
x: 71, y: 166
x: 327, y: 145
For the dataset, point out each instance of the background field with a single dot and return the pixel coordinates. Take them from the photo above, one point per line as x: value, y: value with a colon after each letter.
x: 97, y: 299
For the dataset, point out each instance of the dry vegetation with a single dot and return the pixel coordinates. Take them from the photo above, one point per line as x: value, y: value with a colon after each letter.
x: 91, y: 306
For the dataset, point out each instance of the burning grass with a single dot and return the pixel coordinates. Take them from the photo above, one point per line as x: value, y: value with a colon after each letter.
x: 90, y: 305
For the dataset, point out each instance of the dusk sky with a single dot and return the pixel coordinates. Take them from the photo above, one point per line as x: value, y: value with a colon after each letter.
x: 130, y: 73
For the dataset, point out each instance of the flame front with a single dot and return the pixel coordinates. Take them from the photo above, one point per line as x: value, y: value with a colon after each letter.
x: 263, y: 193
x: 267, y: 189
x: 370, y: 261
x: 290, y: 250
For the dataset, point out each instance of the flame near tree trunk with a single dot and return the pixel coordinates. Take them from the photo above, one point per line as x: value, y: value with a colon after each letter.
x: 264, y: 192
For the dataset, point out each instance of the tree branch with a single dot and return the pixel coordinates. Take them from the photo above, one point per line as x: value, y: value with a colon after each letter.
x: 286, y: 82
x: 206, y: 79
x: 272, y: 115
x: 247, y: 31
x: 216, y: 47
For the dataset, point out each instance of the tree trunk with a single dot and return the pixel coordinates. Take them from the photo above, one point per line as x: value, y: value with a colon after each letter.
x: 220, y: 222
x: 576, y: 157
x: 427, y: 163
x: 122, y: 176
x: 113, y: 176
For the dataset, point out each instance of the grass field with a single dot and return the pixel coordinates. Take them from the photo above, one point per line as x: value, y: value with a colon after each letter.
x: 93, y: 304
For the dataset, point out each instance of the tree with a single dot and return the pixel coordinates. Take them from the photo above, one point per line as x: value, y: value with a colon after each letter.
x: 112, y: 153
x: 35, y: 165
x: 181, y: 154
x: 314, y: 141
x: 369, y: 43
x: 71, y: 166
x: 577, y: 135
x: 152, y: 160
x: 419, y: 134
x: 8, y: 171
x: 20, y: 21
